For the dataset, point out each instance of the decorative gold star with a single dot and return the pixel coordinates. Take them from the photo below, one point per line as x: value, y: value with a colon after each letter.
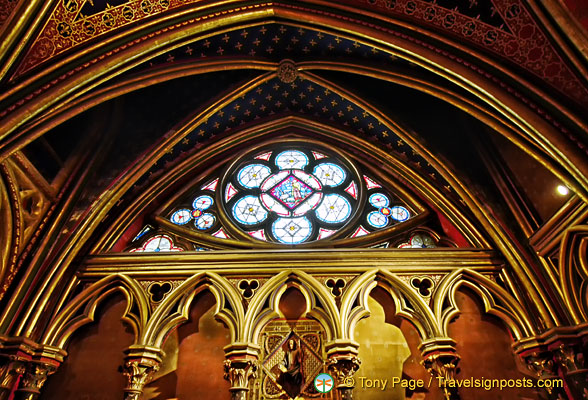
x: 186, y: 141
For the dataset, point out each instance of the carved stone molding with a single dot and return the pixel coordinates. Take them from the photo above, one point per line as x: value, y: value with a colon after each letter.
x: 33, y: 379
x: 140, y: 365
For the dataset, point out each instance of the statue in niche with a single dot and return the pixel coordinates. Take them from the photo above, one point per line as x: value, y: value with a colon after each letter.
x: 291, y: 377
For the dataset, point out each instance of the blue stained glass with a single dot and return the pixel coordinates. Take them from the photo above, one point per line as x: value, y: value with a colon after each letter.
x: 334, y: 209
x: 249, y: 211
x: 330, y: 174
x: 379, y: 200
x: 291, y: 159
x: 181, y: 217
x: 202, y: 202
x: 399, y: 213
x: 252, y: 175
x: 292, y: 230
x: 205, y: 221
x: 377, y: 219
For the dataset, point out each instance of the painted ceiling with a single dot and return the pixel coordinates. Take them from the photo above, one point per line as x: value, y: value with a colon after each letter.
x: 504, y: 28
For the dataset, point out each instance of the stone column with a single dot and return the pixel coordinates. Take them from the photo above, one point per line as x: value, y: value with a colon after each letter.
x: 440, y: 359
x: 241, y: 367
x: 343, y: 363
x: 11, y: 367
x: 141, y: 362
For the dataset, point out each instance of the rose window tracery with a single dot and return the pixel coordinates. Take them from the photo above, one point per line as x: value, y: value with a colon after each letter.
x: 289, y: 193
x: 294, y: 193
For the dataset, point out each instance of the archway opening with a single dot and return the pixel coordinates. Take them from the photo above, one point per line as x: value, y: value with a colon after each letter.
x: 193, y: 364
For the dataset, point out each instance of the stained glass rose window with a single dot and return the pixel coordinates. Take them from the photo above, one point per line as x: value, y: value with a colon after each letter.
x: 291, y: 196
x: 290, y: 193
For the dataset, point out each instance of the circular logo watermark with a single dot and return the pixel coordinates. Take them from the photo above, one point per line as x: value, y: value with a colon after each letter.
x: 324, y: 383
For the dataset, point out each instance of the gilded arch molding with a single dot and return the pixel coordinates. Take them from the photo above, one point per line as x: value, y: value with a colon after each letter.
x: 499, y: 98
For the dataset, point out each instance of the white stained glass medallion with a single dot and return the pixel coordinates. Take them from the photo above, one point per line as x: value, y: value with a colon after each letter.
x: 252, y: 175
x: 205, y: 221
x: 334, y: 209
x: 330, y: 174
x: 202, y: 202
x: 292, y: 230
x: 399, y: 213
x: 181, y: 217
x: 249, y: 211
x: 377, y: 219
x: 379, y: 200
x: 291, y: 159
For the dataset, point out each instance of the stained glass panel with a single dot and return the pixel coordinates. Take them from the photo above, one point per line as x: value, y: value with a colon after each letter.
x: 379, y: 200
x: 181, y: 217
x: 291, y: 191
x: 202, y: 202
x: 249, y: 211
x: 252, y: 175
x: 330, y: 174
x: 334, y: 209
x: 292, y: 230
x: 205, y: 221
x: 377, y: 219
x: 293, y: 159
x: 399, y: 213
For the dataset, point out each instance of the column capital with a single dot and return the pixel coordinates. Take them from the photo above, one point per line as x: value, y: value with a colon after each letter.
x: 34, y: 377
x: 440, y: 359
x: 141, y: 362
